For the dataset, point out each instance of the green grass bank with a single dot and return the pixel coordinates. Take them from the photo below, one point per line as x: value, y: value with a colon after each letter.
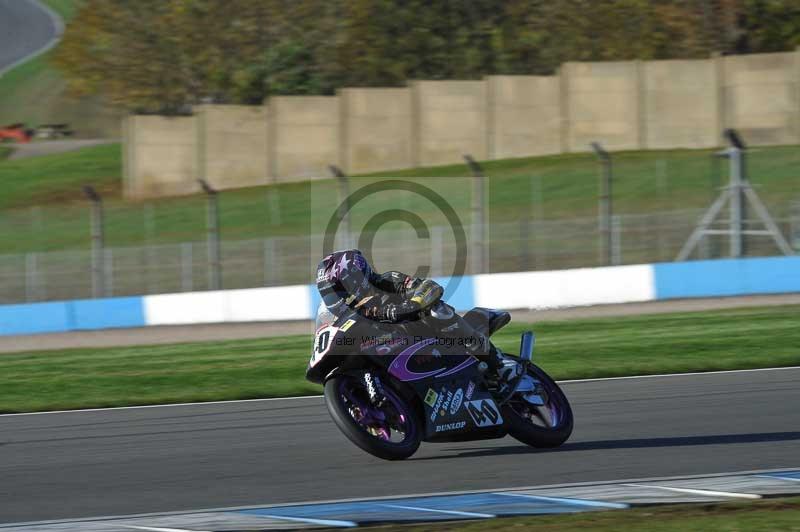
x: 275, y: 367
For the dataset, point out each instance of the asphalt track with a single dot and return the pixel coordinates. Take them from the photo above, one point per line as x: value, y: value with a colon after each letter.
x: 26, y: 27
x: 125, y: 461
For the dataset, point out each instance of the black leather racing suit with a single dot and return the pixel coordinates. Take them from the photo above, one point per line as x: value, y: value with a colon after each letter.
x: 396, y: 298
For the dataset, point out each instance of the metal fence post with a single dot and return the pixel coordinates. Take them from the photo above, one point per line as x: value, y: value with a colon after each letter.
x: 97, y: 241
x: 108, y: 265
x: 212, y: 221
x: 31, y: 291
x: 187, y: 271
x: 274, y: 207
x: 605, y: 205
x: 269, y: 261
x: 616, y: 240
x: 479, y: 245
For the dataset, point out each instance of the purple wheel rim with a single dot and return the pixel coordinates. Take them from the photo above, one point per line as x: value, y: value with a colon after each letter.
x: 548, y: 415
x: 385, y: 423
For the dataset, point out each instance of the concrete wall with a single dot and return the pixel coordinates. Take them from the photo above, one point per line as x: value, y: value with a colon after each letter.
x: 304, y: 133
x: 161, y: 155
x: 376, y: 129
x: 450, y: 121
x: 232, y: 145
x: 681, y: 104
x: 623, y: 105
x: 760, y: 95
x: 524, y: 116
x: 602, y: 104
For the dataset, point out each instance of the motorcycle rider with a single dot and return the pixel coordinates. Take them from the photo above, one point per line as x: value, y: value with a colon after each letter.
x: 346, y: 280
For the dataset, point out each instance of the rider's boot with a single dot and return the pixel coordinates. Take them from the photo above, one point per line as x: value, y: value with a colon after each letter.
x: 502, y: 370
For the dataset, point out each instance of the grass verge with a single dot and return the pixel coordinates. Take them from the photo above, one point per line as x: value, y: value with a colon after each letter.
x: 766, y: 515
x: 275, y: 367
x: 5, y: 151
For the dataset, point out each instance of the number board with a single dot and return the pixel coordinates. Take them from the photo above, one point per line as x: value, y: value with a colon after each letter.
x: 484, y: 412
x: 323, y: 342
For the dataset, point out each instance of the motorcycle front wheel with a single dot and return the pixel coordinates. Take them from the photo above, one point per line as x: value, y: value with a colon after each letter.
x: 541, y: 418
x: 389, y: 431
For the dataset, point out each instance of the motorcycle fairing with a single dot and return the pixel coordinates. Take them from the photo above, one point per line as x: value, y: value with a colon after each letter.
x: 450, y: 415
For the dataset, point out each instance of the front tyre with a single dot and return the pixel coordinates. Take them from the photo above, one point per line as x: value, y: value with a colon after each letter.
x: 542, y: 418
x: 390, y: 431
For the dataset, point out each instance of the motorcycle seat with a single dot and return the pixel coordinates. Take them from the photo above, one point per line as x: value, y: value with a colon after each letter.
x: 487, y: 321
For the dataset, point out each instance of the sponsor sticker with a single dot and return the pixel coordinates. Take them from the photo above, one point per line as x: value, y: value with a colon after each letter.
x: 458, y: 397
x: 470, y: 390
x: 446, y: 403
x: 347, y: 325
x: 437, y: 406
x: 484, y: 412
x: 450, y: 426
x: 430, y: 397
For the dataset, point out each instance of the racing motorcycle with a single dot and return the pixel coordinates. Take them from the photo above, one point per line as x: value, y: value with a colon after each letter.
x: 389, y: 387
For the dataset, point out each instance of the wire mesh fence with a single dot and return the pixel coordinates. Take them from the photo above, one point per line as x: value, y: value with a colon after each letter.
x: 526, y: 244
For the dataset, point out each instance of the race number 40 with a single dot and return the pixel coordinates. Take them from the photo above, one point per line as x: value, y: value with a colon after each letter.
x: 484, y: 412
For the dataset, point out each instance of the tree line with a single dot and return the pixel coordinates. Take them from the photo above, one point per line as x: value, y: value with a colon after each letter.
x: 166, y: 55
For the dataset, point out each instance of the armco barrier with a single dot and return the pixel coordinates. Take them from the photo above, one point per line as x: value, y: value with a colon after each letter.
x: 564, y: 288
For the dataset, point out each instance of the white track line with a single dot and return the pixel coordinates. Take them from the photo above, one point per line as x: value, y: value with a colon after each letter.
x: 565, y: 500
x: 692, y: 491
x: 720, y: 372
x: 450, y: 512
x: 779, y: 477
x: 234, y: 401
x: 323, y: 522
x: 157, y: 529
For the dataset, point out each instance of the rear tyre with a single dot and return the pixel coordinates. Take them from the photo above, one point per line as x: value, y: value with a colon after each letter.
x: 539, y: 425
x: 390, y: 432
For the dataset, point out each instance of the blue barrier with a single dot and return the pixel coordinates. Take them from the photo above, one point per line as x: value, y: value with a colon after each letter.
x: 727, y: 277
x: 34, y: 318
x: 63, y: 316
x: 108, y: 313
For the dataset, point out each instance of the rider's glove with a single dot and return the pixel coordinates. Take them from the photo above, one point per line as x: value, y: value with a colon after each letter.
x: 426, y: 294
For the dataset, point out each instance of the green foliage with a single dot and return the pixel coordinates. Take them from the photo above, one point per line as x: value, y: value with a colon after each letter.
x: 165, y: 55
x: 771, y: 25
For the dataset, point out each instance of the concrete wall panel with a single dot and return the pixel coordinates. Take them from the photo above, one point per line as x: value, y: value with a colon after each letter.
x: 760, y: 94
x: 233, y: 145
x: 164, y: 156
x: 376, y: 129
x: 525, y: 116
x: 305, y: 136
x: 451, y: 121
x: 681, y: 105
x: 602, y: 105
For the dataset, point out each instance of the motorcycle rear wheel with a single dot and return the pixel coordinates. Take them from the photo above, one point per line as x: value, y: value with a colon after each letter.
x: 369, y: 427
x: 546, y: 425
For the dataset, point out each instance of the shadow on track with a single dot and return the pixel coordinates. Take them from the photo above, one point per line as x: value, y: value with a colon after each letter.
x: 635, y: 443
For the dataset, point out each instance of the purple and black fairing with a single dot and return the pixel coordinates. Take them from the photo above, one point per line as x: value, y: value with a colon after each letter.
x: 434, y: 374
